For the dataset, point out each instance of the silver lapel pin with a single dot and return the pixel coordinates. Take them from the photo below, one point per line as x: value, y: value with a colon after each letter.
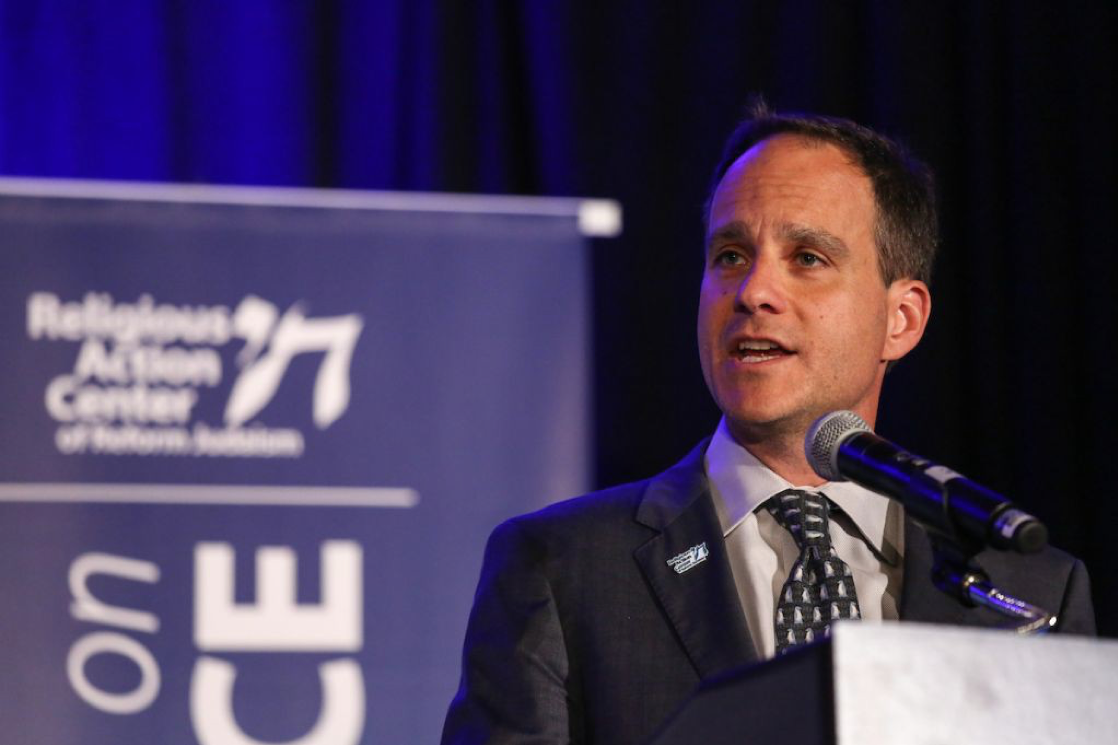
x: 689, y: 558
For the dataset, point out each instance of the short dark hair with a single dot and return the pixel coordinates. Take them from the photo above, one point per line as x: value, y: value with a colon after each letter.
x: 906, y: 230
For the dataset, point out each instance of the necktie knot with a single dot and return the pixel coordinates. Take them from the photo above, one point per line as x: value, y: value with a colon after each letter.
x: 805, y: 515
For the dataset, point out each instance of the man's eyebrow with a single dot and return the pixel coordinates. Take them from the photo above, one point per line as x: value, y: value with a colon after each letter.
x: 733, y: 232
x: 737, y: 232
x: 814, y: 238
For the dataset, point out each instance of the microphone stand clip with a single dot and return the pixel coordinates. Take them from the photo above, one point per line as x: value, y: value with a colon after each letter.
x: 955, y: 572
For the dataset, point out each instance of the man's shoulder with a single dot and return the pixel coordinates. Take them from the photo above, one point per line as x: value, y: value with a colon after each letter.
x: 1050, y: 569
x: 636, y: 505
x: 1043, y: 567
x: 569, y: 542
x: 599, y: 510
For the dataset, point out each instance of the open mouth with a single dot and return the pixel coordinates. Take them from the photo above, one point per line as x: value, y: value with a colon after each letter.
x: 759, y: 350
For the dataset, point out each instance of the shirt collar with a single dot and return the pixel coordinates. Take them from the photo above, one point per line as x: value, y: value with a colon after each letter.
x: 740, y: 483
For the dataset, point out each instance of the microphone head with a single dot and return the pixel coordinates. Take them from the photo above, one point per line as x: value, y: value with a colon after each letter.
x: 824, y: 438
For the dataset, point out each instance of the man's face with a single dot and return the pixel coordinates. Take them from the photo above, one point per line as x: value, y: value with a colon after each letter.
x: 794, y: 315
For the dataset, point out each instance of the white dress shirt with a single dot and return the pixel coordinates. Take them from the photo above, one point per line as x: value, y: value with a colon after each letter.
x: 867, y: 532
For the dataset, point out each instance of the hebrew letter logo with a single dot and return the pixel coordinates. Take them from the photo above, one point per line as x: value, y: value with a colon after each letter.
x: 270, y: 344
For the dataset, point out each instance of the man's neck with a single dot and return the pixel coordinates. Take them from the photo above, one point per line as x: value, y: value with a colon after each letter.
x: 782, y: 452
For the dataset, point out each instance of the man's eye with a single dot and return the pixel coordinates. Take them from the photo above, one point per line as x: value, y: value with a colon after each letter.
x: 808, y: 259
x: 729, y: 258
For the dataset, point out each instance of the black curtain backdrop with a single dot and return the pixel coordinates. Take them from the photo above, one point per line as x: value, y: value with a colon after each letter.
x: 1012, y: 103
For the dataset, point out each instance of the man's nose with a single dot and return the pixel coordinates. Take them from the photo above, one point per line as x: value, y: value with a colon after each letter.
x: 762, y: 288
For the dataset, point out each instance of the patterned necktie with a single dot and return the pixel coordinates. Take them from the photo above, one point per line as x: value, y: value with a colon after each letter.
x: 820, y: 588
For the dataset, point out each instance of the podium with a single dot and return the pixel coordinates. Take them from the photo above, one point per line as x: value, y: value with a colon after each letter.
x: 912, y: 684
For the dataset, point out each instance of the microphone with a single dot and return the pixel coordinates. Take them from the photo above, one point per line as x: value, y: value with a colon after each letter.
x: 841, y: 446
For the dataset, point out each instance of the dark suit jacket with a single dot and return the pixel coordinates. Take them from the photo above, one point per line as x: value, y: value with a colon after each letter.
x: 582, y: 633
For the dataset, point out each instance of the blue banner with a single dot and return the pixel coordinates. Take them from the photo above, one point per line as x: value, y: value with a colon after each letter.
x: 254, y: 441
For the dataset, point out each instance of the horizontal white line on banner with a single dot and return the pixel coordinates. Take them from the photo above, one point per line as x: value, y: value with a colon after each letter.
x: 231, y: 494
x: 596, y: 217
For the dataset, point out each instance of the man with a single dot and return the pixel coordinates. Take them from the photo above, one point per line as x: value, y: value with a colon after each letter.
x: 595, y: 618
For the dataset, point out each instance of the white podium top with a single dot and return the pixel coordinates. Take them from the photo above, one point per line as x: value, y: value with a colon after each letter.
x: 916, y: 684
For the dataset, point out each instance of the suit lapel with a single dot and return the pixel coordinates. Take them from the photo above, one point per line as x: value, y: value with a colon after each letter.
x: 697, y: 592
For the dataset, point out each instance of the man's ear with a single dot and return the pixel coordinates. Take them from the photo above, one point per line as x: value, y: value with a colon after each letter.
x: 909, y: 305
